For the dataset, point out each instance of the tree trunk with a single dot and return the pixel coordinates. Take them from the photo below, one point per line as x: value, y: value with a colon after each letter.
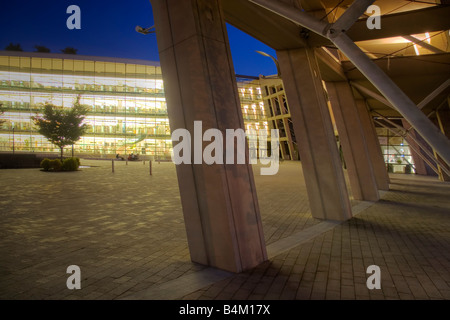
x: 62, y: 151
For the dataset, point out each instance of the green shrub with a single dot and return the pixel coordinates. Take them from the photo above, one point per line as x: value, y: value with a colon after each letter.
x: 45, y: 164
x: 71, y: 164
x: 56, y: 164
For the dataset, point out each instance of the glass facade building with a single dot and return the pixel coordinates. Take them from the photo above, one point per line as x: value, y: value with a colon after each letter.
x: 254, y: 112
x: 125, y: 99
x: 127, y: 107
x: 279, y: 116
x: 396, y: 152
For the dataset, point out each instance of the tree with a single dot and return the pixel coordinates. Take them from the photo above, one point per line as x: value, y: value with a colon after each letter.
x: 2, y: 111
x: 69, y: 50
x: 13, y: 47
x: 41, y: 49
x: 61, y: 126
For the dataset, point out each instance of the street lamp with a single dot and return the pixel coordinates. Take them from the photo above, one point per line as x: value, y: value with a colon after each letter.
x: 274, y: 60
x: 145, y: 30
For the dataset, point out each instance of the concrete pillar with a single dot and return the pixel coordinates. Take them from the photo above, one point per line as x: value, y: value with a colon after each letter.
x: 284, y: 148
x: 219, y: 202
x: 443, y: 122
x: 420, y: 165
x: 322, y: 168
x: 373, y: 146
x: 354, y: 146
x: 443, y: 119
x: 290, y: 135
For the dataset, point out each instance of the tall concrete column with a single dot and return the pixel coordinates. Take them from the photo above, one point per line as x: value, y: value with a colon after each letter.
x: 373, y: 146
x: 443, y: 118
x: 322, y: 168
x: 420, y: 165
x: 443, y: 122
x: 219, y: 201
x: 354, y: 146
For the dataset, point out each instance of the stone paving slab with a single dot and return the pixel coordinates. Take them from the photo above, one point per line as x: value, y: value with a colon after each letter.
x: 125, y: 230
x: 406, y: 233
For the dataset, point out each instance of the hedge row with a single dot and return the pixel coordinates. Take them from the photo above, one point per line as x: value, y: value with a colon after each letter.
x: 69, y: 164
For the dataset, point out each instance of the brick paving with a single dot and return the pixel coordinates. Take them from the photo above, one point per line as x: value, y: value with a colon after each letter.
x: 125, y: 230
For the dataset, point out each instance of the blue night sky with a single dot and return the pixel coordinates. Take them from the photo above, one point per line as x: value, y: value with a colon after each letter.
x: 108, y: 29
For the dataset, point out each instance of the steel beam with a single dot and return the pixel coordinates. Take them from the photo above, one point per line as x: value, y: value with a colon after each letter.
x: 371, y: 71
x: 351, y: 15
x: 434, y: 94
x: 404, y: 23
x: 395, y: 96
x: 423, y: 44
x: 294, y: 15
x: 372, y: 94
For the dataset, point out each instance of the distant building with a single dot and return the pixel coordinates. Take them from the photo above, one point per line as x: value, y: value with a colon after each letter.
x: 127, y: 107
x: 125, y: 98
x: 279, y: 116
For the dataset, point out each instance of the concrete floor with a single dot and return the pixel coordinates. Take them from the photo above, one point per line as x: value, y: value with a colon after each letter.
x: 125, y: 231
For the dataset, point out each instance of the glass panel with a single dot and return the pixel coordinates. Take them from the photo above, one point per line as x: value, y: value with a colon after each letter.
x: 14, y: 62
x: 99, y: 67
x: 36, y: 63
x: 57, y: 64
x: 46, y: 64
x: 126, y: 103
x: 68, y: 65
x: 25, y: 62
x: 4, y: 61
x: 110, y: 67
x: 89, y: 66
x: 120, y: 69
x: 78, y: 65
x: 130, y: 70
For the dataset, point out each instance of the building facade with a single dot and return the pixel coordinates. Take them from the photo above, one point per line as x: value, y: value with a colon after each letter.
x: 279, y: 116
x: 125, y: 99
x: 127, y: 107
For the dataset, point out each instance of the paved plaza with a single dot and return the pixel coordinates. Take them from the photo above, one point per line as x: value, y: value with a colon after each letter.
x: 125, y: 231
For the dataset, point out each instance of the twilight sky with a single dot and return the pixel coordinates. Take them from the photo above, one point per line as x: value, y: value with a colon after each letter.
x: 108, y: 29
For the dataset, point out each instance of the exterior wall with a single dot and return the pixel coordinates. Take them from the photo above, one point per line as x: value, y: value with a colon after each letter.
x: 125, y: 98
x: 127, y: 108
x: 252, y: 105
x: 279, y: 116
x: 396, y: 152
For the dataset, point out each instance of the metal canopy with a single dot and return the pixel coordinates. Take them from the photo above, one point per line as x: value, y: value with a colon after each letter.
x: 294, y: 22
x: 417, y: 76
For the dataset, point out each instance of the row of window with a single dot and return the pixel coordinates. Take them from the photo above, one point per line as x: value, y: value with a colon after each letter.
x: 118, y: 122
x: 58, y: 85
x: 114, y: 110
x: 160, y: 148
x: 93, y: 109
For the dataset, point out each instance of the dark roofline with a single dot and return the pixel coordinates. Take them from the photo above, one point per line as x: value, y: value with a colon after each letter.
x: 247, y: 77
x: 77, y: 57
